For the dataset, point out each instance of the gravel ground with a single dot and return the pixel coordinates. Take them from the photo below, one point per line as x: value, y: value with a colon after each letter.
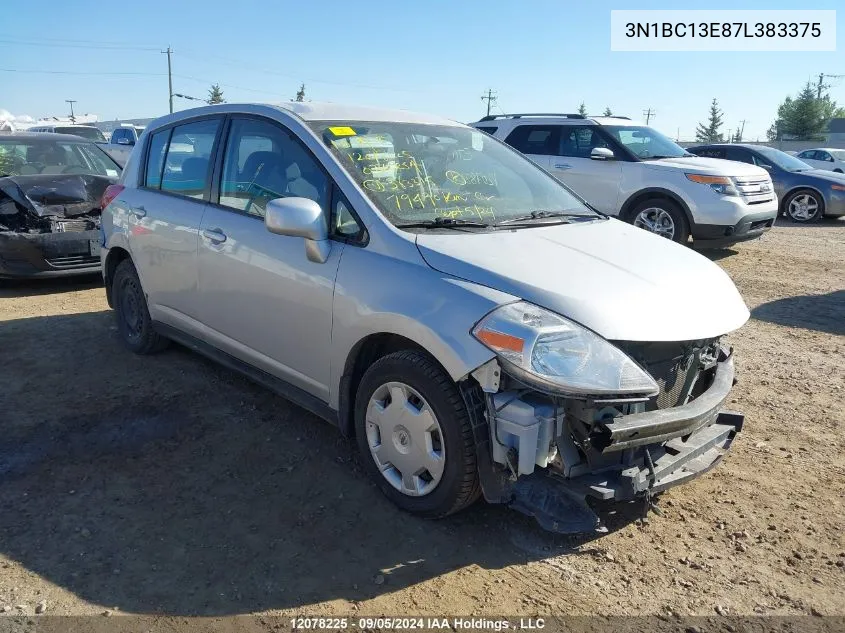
x: 168, y: 485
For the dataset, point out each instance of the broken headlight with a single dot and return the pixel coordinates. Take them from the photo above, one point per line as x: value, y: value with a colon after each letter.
x: 555, y: 354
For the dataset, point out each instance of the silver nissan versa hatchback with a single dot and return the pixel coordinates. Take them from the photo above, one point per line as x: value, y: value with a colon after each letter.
x: 472, y: 323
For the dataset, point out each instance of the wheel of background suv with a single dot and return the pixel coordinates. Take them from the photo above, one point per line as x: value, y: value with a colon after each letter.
x: 415, y: 436
x: 804, y: 205
x: 838, y: 171
x: 663, y: 217
x: 130, y: 310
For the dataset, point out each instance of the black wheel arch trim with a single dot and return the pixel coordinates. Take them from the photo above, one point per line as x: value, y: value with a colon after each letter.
x: 660, y: 191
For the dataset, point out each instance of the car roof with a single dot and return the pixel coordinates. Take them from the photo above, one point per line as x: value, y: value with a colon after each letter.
x: 546, y: 118
x: 310, y: 111
x: 44, y: 137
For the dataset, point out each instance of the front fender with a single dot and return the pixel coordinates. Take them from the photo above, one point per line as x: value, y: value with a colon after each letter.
x: 376, y: 293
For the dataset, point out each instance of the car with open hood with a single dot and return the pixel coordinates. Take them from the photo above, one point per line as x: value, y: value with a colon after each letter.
x: 50, y: 191
x: 472, y: 323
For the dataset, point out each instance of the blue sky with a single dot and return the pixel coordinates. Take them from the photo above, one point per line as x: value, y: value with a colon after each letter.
x: 436, y: 56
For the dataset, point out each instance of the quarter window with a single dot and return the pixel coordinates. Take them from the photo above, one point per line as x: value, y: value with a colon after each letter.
x: 262, y: 162
x: 188, y: 158
x: 535, y: 139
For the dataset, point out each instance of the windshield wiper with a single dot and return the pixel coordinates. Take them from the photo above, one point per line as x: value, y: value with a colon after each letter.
x: 560, y: 216
x: 443, y: 223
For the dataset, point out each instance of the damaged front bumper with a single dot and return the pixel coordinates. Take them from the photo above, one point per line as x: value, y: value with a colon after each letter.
x: 549, y: 468
x: 26, y: 255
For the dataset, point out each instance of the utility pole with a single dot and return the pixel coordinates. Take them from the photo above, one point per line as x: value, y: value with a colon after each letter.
x: 168, y: 52
x: 490, y: 98
x: 821, y: 85
x: 648, y: 114
x: 741, y: 131
x: 71, y: 102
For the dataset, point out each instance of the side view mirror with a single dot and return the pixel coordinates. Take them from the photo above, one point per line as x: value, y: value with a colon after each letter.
x: 602, y: 153
x: 300, y: 217
x: 765, y: 166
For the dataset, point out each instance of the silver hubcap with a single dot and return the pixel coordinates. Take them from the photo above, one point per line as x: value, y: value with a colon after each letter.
x: 803, y: 207
x: 405, y: 439
x: 657, y: 221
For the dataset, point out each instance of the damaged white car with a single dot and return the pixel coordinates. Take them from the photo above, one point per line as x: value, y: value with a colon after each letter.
x: 468, y: 319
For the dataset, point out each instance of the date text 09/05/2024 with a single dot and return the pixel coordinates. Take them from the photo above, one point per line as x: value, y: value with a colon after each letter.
x: 417, y: 623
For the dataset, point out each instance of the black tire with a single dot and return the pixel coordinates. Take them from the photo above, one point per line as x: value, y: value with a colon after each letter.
x: 838, y: 171
x: 681, y: 225
x: 459, y: 486
x: 131, y: 314
x: 819, y: 200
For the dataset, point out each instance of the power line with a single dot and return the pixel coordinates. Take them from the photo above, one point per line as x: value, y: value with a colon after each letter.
x: 77, y: 72
x: 88, y: 46
x: 71, y: 102
x: 16, y: 36
x: 821, y: 85
x: 648, y: 114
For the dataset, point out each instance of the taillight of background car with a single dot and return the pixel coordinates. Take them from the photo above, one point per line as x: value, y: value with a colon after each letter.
x: 111, y: 192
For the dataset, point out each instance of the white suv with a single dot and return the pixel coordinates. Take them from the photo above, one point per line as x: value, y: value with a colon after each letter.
x: 632, y: 171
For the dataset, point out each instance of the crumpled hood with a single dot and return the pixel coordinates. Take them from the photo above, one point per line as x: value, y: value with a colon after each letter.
x: 61, y: 195
x: 707, y: 166
x: 620, y: 281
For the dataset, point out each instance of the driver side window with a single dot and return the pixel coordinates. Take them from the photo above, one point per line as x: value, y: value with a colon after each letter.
x: 262, y: 162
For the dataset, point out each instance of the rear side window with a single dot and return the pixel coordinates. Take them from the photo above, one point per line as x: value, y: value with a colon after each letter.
x: 535, y: 139
x: 188, y: 159
x: 155, y: 158
x: 741, y: 155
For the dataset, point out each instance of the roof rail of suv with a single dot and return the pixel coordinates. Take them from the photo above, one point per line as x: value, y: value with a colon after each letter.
x: 493, y: 117
x: 612, y: 116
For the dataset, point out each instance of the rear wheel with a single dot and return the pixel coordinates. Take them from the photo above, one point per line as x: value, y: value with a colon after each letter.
x: 131, y: 314
x: 415, y: 436
x: 662, y: 217
x: 804, y: 205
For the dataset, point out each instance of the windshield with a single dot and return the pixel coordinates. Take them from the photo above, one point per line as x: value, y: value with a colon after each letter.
x: 782, y: 159
x: 29, y: 158
x: 645, y: 142
x: 417, y: 173
x: 91, y: 133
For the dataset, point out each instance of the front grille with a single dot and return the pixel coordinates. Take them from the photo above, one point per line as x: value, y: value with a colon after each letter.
x: 72, y: 226
x: 755, y: 189
x: 674, y: 366
x: 69, y: 262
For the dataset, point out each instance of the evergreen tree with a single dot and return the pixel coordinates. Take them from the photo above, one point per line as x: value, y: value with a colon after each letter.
x: 607, y: 112
x: 710, y: 133
x: 582, y: 109
x: 215, y: 95
x: 805, y: 117
x: 300, y: 94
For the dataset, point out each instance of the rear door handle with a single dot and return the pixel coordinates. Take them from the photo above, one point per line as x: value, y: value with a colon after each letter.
x: 215, y: 236
x: 138, y: 211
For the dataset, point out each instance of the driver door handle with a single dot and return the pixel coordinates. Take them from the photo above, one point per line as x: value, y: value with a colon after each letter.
x: 215, y: 236
x: 139, y: 211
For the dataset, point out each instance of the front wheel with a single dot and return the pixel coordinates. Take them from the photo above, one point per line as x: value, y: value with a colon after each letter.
x: 804, y: 205
x: 662, y: 217
x: 415, y: 436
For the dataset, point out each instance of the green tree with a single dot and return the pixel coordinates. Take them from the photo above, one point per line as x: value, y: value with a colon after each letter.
x: 215, y: 95
x: 607, y: 112
x: 805, y: 117
x: 300, y: 94
x: 582, y: 109
x: 710, y: 133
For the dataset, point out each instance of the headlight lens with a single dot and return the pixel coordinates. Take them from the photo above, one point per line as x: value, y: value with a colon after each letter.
x: 720, y: 184
x: 544, y: 347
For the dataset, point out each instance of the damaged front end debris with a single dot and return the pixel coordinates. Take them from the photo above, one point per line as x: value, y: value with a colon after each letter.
x: 545, y: 454
x: 50, y: 224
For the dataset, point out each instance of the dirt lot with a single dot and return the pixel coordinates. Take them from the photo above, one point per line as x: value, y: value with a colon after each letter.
x: 167, y: 485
